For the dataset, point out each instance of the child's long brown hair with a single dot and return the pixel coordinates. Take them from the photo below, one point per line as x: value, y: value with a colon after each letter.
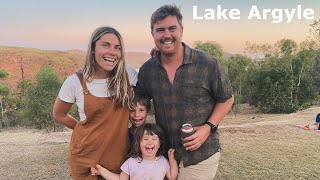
x: 151, y: 129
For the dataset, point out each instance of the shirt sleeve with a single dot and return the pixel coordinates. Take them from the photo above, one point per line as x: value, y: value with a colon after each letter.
x: 141, y: 89
x: 69, y: 88
x: 133, y: 74
x: 125, y: 166
x: 220, y: 84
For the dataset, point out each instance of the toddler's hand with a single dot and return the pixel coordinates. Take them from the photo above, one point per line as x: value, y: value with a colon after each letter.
x: 171, y: 154
x: 95, y: 171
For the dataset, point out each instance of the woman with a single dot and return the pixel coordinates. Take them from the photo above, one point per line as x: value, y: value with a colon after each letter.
x: 102, y: 92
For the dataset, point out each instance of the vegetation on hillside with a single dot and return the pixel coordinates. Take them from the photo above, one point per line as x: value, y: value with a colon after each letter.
x: 281, y: 78
x: 4, y: 91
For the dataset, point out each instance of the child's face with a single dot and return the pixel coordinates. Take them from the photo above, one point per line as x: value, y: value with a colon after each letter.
x: 138, y: 115
x: 149, y: 146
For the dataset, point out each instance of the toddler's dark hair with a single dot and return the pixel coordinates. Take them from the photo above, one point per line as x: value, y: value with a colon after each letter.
x: 150, y: 129
x: 142, y: 101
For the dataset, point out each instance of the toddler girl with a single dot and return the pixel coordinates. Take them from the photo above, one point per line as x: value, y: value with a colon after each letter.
x: 146, y: 161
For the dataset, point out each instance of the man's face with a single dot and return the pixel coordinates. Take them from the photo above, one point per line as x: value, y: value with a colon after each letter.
x: 167, y: 34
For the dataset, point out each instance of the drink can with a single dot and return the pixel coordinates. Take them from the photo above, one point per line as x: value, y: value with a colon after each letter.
x: 186, y: 130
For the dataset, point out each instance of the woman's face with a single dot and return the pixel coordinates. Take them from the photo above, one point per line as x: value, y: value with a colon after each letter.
x: 107, y: 53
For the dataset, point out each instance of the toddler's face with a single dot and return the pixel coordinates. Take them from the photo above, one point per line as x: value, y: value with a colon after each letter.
x: 149, y: 146
x: 138, y: 115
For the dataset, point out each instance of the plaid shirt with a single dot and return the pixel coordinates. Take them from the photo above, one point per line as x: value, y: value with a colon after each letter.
x: 198, y: 84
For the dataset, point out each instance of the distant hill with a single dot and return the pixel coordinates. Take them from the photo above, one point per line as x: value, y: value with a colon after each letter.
x: 27, y: 61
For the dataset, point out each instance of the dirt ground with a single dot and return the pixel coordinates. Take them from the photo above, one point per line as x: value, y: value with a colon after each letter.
x: 33, y: 154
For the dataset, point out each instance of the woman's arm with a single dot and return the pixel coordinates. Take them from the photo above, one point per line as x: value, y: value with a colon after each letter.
x: 173, y: 171
x: 60, y: 113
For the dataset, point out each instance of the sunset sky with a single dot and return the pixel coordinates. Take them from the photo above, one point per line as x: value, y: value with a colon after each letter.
x: 68, y: 24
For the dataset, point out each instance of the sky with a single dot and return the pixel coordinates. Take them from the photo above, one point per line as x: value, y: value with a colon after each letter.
x: 68, y: 24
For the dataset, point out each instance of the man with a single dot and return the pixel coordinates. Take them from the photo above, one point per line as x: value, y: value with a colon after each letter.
x: 187, y: 86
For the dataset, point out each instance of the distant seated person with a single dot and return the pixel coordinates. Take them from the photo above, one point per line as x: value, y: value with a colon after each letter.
x: 314, y: 127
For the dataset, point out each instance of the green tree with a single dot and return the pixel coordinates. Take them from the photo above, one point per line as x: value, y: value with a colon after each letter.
x: 238, y: 68
x: 283, y: 47
x: 273, y: 87
x: 287, y: 47
x: 315, y: 32
x: 4, y: 91
x: 3, y: 73
x: 212, y: 48
x: 284, y: 83
x: 260, y: 51
x: 302, y: 67
x: 40, y: 98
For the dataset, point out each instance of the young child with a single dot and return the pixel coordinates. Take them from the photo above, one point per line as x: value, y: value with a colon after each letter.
x: 147, y: 160
x: 138, y: 115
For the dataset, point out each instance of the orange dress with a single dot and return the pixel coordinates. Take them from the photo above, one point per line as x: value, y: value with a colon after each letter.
x: 100, y: 139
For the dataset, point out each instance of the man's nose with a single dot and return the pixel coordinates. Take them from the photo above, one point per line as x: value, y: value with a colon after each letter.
x: 167, y: 33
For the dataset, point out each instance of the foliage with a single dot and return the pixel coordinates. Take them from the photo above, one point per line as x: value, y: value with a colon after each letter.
x: 260, y: 51
x: 212, y: 48
x: 273, y: 86
x: 3, y: 74
x: 238, y: 68
x: 284, y: 83
x: 287, y: 46
x: 281, y: 80
x: 315, y: 32
x: 4, y: 90
x: 40, y: 98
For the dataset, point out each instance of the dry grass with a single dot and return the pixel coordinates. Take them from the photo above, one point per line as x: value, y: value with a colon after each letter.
x: 254, y: 146
x: 269, y: 152
x: 31, y: 154
x: 260, y: 146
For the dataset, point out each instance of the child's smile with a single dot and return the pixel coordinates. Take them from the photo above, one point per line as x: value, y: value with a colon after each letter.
x: 138, y: 115
x: 149, y: 146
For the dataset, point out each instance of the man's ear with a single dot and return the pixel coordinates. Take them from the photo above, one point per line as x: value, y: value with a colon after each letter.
x: 181, y: 30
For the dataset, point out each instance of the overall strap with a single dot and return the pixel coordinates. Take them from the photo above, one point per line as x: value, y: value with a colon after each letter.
x: 83, y: 83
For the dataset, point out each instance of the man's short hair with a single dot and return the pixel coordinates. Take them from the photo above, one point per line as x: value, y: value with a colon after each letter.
x: 163, y: 12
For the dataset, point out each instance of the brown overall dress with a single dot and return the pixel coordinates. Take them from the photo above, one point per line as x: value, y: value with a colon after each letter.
x: 101, y: 139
